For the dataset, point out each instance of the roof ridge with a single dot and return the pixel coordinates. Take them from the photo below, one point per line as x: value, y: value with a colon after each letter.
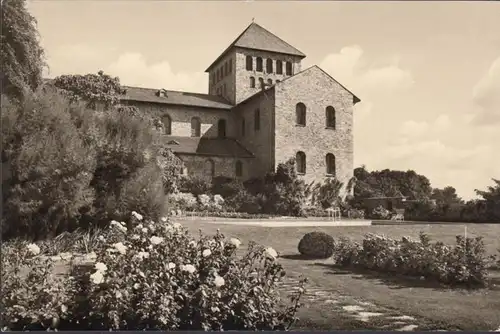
x: 281, y: 39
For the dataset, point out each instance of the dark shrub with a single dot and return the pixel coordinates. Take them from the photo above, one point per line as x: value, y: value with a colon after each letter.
x: 317, y: 245
x: 226, y: 186
x: 194, y: 185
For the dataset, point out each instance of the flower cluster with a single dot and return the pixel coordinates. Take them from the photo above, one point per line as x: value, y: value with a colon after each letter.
x: 156, y: 276
x: 464, y: 263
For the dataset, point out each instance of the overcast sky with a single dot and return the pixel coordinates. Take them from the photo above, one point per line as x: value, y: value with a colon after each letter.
x: 428, y: 73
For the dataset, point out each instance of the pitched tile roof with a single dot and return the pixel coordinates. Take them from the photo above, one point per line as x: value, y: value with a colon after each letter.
x: 175, y: 98
x: 222, y: 147
x: 257, y: 38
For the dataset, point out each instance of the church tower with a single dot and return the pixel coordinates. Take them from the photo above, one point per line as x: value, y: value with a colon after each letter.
x: 255, y: 60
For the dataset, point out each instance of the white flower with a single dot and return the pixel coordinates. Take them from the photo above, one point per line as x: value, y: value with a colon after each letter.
x: 139, y: 226
x: 164, y: 219
x: 64, y: 308
x: 171, y: 265
x: 66, y: 256
x: 118, y: 294
x: 99, y: 266
x: 176, y: 225
x: 135, y: 237
x: 236, y: 242
x: 142, y: 255
x: 206, y: 252
x: 270, y: 252
x: 34, y: 249
x: 123, y: 223
x: 219, y: 281
x: 121, y: 248
x: 141, y: 274
x: 156, y: 240
x: 192, y: 243
x: 101, y: 238
x: 136, y: 215
x: 97, y: 277
x: 136, y: 286
x: 114, y: 223
x: 144, y: 230
x: 91, y: 256
x: 189, y: 268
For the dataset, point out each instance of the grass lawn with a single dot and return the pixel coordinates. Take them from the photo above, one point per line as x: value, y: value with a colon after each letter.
x: 441, y: 307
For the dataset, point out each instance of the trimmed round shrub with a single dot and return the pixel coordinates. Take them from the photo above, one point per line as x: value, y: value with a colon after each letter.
x: 317, y: 245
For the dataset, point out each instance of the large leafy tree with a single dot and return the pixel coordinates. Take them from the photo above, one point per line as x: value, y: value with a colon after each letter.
x: 446, y: 196
x: 492, y: 199
x: 21, y: 55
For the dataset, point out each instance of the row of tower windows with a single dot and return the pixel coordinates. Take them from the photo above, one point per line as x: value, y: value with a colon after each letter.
x: 301, y: 111
x: 259, y: 65
x: 300, y: 162
x: 222, y: 71
x: 261, y: 82
x: 195, y: 126
x: 210, y: 168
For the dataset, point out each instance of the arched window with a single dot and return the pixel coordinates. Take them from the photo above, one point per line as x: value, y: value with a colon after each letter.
x: 288, y: 68
x: 239, y: 169
x: 252, y: 82
x: 330, y: 117
x: 195, y: 127
x: 258, y: 66
x: 256, y: 120
x: 243, y: 127
x: 167, y: 124
x: 300, y: 160
x: 330, y: 164
x: 269, y: 65
x: 261, y: 83
x: 300, y: 114
x: 209, y: 169
x: 249, y: 63
x: 270, y: 81
x: 221, y: 128
x: 279, y: 67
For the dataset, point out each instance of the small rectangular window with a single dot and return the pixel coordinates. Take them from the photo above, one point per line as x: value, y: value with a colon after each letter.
x: 257, y: 119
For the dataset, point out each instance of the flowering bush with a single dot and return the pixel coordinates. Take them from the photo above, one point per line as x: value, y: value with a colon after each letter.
x: 380, y: 213
x: 465, y: 263
x: 156, y: 276
x: 182, y: 201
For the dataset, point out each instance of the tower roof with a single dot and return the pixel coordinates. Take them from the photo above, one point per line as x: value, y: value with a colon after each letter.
x: 257, y: 38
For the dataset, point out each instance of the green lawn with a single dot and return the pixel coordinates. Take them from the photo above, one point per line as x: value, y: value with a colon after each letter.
x: 445, y: 308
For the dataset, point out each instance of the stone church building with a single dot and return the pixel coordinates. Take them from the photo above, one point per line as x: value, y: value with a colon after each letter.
x: 261, y: 109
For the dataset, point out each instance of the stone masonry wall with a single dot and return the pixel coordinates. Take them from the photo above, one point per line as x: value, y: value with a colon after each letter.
x: 224, y: 166
x: 181, y: 119
x: 316, y: 90
x: 242, y: 80
x: 227, y: 80
x: 259, y: 142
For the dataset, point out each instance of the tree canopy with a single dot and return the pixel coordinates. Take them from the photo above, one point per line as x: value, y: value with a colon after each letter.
x: 21, y: 55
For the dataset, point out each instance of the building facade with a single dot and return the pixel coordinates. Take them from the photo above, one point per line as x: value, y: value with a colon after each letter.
x: 262, y: 109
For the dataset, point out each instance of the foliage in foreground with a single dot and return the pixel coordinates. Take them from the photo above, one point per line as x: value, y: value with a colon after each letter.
x: 465, y: 263
x: 149, y: 276
x: 317, y: 245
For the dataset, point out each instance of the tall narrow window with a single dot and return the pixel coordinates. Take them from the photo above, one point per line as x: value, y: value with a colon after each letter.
x: 167, y: 123
x: 243, y: 127
x: 289, y: 68
x: 330, y: 164
x: 195, y: 127
x: 256, y: 122
x: 279, y: 67
x: 300, y: 160
x: 230, y: 65
x: 269, y: 82
x: 252, y: 82
x: 300, y: 114
x: 226, y: 68
x: 239, y: 169
x: 224, y: 90
x: 330, y: 117
x: 214, y: 78
x: 259, y: 64
x: 249, y: 61
x: 209, y: 169
x: 221, y: 127
x: 269, y: 65
x: 261, y: 83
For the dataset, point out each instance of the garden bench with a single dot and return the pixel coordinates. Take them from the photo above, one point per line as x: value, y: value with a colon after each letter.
x: 334, y: 213
x: 399, y: 215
